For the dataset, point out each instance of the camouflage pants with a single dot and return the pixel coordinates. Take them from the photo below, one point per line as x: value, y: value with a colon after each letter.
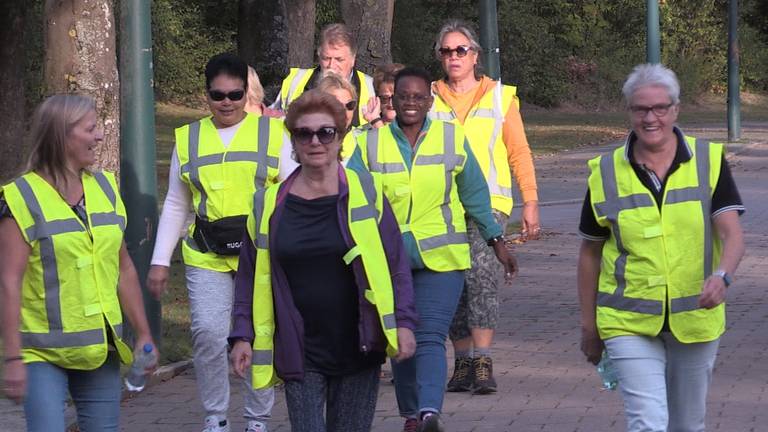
x: 479, y: 303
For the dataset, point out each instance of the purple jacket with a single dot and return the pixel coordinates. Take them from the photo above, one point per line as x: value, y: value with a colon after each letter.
x: 289, y: 327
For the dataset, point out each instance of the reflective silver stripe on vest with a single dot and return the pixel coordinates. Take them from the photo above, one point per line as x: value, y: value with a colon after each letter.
x: 262, y: 159
x: 389, y: 321
x: 119, y: 330
x: 372, y: 149
x: 702, y: 194
x: 262, y: 240
x: 450, y: 160
x: 261, y: 358
x: 497, y: 115
x: 107, y: 218
x: 369, y: 210
x: 610, y: 209
x: 59, y: 339
x: 294, y: 85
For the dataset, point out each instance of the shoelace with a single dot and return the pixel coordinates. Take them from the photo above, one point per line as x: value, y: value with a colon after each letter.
x: 462, y: 368
x: 483, y: 368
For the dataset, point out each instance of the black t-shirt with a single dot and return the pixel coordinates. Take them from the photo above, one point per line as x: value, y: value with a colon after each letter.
x: 310, y: 248
x: 725, y: 197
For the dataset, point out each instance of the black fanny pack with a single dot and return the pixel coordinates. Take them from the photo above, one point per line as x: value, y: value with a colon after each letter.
x: 223, y: 237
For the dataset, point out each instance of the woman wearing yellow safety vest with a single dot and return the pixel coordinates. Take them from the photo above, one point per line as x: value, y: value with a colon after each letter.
x: 217, y: 164
x: 323, y: 291
x: 344, y: 92
x: 662, y: 240
x: 489, y: 112
x: 65, y: 274
x: 431, y: 178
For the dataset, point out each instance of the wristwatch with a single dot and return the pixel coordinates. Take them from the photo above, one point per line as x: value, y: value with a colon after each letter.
x: 723, y: 274
x: 493, y: 241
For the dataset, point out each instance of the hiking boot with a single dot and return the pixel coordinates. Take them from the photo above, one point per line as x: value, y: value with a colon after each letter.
x: 463, y: 376
x: 484, y: 382
x: 431, y: 423
x: 411, y: 425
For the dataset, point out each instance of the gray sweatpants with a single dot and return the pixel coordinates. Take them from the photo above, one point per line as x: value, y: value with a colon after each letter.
x: 211, y: 295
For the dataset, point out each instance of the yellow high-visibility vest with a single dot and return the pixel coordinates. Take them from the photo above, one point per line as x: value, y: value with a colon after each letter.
x: 483, y: 127
x: 364, y: 214
x: 69, y: 295
x: 655, y: 261
x: 296, y: 82
x: 426, y: 199
x: 223, y: 180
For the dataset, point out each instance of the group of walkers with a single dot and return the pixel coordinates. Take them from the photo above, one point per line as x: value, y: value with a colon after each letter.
x: 356, y: 219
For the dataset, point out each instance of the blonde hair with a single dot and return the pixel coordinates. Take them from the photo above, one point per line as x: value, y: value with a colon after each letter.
x: 332, y: 81
x: 255, y: 92
x: 54, y: 119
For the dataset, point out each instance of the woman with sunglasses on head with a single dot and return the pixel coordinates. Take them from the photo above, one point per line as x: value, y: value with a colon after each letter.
x: 323, y: 291
x: 217, y: 164
x: 65, y: 275
x: 431, y: 177
x: 489, y: 112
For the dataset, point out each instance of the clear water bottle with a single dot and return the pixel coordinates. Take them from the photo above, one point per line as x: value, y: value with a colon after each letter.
x: 136, y: 378
x: 607, y: 371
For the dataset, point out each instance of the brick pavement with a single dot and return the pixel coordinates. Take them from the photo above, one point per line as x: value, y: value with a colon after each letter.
x: 544, y: 382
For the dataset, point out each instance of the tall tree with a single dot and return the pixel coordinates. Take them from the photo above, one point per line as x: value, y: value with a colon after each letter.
x: 371, y: 21
x: 12, y: 107
x: 80, y: 56
x: 275, y: 35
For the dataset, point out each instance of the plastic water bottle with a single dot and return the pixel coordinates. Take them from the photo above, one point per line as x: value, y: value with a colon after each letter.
x: 136, y: 378
x: 607, y: 371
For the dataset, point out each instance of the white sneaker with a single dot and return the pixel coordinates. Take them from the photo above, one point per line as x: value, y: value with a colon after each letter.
x: 256, y: 426
x: 215, y: 423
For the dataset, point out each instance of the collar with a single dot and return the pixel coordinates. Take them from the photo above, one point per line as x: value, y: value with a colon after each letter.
x: 400, y: 135
x: 683, y: 153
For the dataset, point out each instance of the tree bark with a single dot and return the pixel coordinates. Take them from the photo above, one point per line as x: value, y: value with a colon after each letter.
x: 12, y: 102
x: 300, y: 15
x: 371, y: 21
x: 80, y: 56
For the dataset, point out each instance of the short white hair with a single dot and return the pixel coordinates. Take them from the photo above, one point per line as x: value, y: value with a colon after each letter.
x: 652, y: 74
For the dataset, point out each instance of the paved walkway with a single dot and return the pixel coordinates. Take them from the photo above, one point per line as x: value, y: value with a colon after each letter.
x: 544, y: 382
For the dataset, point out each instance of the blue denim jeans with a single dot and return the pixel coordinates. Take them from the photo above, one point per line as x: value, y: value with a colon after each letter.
x: 663, y: 382
x: 420, y: 380
x: 96, y: 394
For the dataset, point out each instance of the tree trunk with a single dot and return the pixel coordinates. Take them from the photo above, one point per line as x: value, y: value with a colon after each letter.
x: 371, y: 21
x: 12, y: 106
x: 80, y: 56
x: 262, y: 41
x: 300, y: 15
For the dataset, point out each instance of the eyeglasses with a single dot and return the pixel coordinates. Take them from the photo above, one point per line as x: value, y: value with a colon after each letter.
x: 218, y: 96
x: 351, y: 105
x: 461, y: 51
x: 658, y: 110
x: 417, y: 98
x: 304, y: 136
x: 385, y: 99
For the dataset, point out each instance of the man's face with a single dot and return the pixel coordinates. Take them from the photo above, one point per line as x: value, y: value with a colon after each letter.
x: 338, y: 58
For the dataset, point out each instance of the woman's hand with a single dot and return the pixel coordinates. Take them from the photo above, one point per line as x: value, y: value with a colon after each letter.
x: 713, y: 292
x: 507, y: 259
x: 142, y: 340
x: 372, y: 109
x: 406, y: 344
x: 241, y: 357
x: 530, y: 228
x: 157, y: 280
x: 15, y: 380
x: 591, y: 345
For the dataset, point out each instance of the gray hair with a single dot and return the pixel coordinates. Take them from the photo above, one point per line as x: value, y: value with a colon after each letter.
x: 650, y: 74
x: 457, y: 26
x: 337, y: 34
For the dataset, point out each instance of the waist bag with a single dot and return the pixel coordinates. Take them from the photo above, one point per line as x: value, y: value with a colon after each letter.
x: 222, y: 237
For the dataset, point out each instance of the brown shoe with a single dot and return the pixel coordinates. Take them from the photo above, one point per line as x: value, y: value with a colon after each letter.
x: 463, y: 376
x: 411, y: 425
x: 483, y: 371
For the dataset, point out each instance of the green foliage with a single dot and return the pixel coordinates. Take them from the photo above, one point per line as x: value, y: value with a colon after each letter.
x: 186, y: 34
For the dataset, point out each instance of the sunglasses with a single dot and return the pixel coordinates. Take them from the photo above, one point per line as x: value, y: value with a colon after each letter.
x: 385, y: 99
x: 304, y: 136
x: 219, y: 96
x: 461, y: 51
x: 351, y: 105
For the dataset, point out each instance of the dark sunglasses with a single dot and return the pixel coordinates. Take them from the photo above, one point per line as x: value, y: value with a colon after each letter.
x: 304, y: 136
x: 461, y: 51
x: 351, y: 105
x: 385, y: 99
x: 219, y: 96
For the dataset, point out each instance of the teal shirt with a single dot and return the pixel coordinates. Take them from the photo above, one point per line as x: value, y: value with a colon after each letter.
x: 471, y: 184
